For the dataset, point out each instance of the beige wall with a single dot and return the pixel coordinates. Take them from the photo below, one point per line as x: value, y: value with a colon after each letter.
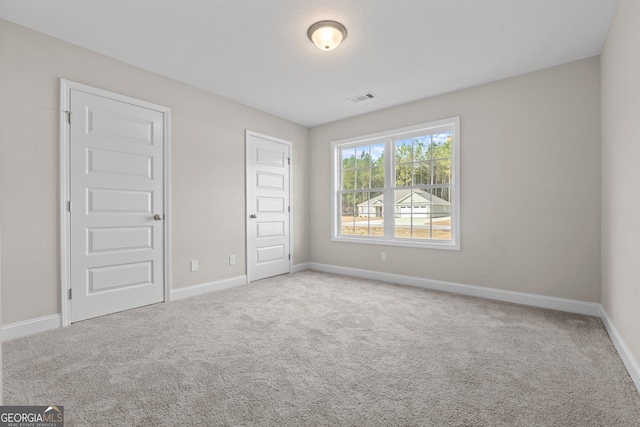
x: 207, y: 168
x: 621, y: 174
x: 530, y: 186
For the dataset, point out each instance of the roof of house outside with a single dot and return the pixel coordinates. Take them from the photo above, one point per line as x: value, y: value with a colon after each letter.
x: 400, y: 195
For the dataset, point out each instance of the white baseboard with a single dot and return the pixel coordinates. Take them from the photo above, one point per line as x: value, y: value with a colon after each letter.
x: 190, y: 291
x: 301, y: 267
x: 30, y: 327
x: 630, y: 362
x: 561, y: 304
x: 54, y: 321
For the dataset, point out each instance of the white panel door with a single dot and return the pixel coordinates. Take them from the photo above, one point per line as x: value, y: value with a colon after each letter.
x: 267, y: 207
x: 116, y: 187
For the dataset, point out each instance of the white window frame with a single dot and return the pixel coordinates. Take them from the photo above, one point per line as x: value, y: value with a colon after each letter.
x: 388, y: 137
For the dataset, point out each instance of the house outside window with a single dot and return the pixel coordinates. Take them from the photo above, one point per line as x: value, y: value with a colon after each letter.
x: 399, y: 187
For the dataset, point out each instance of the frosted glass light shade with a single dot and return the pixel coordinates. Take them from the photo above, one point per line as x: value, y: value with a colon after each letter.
x: 327, y: 35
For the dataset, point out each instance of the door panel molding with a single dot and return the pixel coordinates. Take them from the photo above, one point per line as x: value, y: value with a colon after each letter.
x: 138, y: 167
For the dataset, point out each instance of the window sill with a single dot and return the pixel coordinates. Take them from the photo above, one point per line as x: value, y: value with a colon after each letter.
x: 437, y: 244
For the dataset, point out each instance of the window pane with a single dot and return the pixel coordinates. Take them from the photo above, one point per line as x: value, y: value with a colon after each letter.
x: 403, y: 213
x: 363, y: 160
x: 421, y: 202
x: 376, y: 203
x: 348, y: 156
x: 403, y: 174
x: 369, y: 221
x: 377, y: 155
x: 442, y: 193
x: 421, y: 148
x: 442, y: 171
x: 404, y: 148
x: 422, y: 173
x: 363, y: 177
x: 348, y: 214
x: 348, y: 179
x: 419, y: 214
x: 377, y: 177
x: 441, y: 213
x: 442, y: 145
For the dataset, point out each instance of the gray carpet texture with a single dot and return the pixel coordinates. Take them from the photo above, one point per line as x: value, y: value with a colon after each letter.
x: 317, y: 349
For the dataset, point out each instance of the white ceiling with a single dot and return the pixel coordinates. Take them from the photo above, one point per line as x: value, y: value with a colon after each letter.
x: 257, y: 52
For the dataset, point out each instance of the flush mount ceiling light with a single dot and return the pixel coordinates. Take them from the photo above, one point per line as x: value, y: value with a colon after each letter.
x: 327, y: 35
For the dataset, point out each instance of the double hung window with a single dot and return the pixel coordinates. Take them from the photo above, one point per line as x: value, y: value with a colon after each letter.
x: 399, y: 187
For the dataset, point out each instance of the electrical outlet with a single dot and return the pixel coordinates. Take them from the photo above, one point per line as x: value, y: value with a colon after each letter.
x: 383, y: 256
x: 194, y: 265
x: 232, y: 260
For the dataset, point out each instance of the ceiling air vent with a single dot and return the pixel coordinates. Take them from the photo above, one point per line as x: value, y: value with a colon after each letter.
x: 364, y: 97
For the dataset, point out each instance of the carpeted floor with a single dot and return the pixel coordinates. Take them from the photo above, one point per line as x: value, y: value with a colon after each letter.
x: 315, y: 349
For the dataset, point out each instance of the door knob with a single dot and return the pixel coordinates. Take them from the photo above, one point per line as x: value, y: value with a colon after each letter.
x: 158, y: 217
x: 253, y: 216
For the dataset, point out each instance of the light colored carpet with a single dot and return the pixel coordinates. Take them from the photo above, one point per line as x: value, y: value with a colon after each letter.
x: 315, y: 349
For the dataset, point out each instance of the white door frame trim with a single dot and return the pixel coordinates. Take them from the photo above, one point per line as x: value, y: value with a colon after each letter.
x: 65, y: 225
x: 246, y: 205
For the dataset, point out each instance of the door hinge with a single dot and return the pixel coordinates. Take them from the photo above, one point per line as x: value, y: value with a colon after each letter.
x: 69, y: 205
x: 70, y: 293
x: 68, y: 116
x: 288, y: 160
x: 288, y: 208
x: 289, y: 256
